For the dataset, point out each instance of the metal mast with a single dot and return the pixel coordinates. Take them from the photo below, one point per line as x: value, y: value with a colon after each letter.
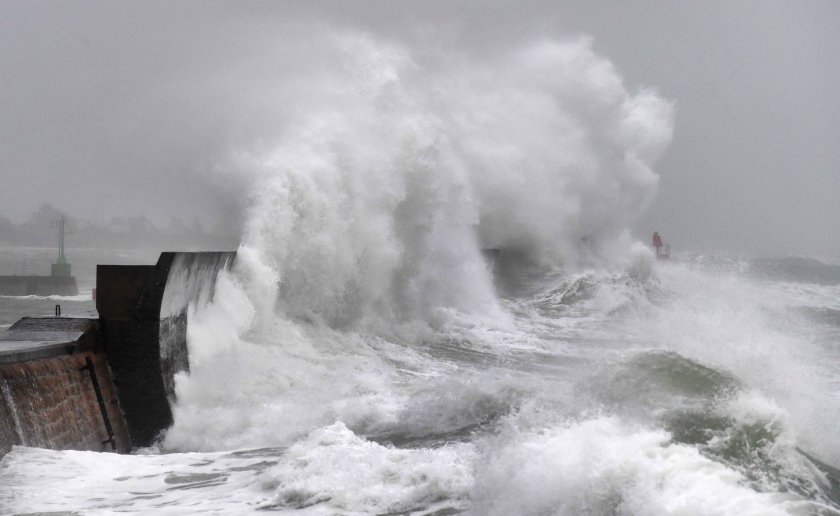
x: 61, y: 267
x: 61, y: 257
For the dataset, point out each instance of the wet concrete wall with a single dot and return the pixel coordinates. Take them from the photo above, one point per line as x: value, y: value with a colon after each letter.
x: 55, y: 388
x: 144, y: 315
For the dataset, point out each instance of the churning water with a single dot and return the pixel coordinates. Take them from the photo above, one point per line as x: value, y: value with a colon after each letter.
x: 364, y: 356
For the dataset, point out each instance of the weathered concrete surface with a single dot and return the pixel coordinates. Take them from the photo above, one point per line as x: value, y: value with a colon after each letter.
x: 42, y: 337
x: 143, y: 318
x: 119, y: 288
x: 130, y: 332
x: 47, y: 394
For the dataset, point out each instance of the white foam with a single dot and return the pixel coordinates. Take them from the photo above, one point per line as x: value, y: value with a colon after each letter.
x: 267, y: 382
x: 372, y: 209
x: 605, y: 466
x: 746, y: 327
x: 105, y: 483
x: 331, y: 470
x: 809, y: 294
x: 346, y: 473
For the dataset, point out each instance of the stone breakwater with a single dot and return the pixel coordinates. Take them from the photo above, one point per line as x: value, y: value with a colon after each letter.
x: 56, y: 389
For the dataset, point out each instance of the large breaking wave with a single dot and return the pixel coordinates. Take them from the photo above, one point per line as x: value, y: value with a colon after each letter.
x: 364, y: 327
x: 375, y: 204
x: 370, y: 213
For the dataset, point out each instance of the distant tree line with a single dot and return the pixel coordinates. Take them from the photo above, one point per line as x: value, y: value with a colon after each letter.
x: 40, y: 230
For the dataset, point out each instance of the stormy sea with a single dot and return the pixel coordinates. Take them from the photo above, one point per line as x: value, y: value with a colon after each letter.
x: 439, y: 307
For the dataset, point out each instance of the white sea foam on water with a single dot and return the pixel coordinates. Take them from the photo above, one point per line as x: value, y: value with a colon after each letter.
x: 605, y: 466
x: 599, y: 465
x: 152, y: 484
x: 813, y: 295
x: 747, y: 328
x: 331, y: 467
x: 334, y: 466
x: 320, y: 395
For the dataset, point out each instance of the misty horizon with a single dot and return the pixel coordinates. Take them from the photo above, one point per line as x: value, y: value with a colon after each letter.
x: 39, y: 229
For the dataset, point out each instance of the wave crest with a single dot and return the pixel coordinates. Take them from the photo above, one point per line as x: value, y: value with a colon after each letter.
x: 375, y: 205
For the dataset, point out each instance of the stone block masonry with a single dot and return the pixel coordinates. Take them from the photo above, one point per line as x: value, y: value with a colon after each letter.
x: 47, y: 394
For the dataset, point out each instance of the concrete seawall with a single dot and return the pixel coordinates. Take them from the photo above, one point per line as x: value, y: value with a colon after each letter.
x: 143, y: 314
x: 105, y: 384
x: 56, y: 389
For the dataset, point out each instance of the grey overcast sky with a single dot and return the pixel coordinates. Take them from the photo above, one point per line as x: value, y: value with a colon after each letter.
x: 125, y: 108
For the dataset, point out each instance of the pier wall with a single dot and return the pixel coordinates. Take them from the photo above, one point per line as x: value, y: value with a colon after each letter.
x: 47, y: 394
x: 105, y: 384
x: 143, y: 313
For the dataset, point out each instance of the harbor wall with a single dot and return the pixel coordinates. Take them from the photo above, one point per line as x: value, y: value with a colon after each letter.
x: 143, y: 314
x: 56, y: 390
x: 105, y: 384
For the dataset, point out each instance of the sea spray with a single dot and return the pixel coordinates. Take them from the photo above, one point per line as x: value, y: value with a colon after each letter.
x: 369, y: 215
x: 375, y: 205
x: 602, y: 465
x: 363, y: 315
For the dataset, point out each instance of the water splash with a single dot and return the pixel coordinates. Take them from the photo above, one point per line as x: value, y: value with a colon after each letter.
x: 372, y: 209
